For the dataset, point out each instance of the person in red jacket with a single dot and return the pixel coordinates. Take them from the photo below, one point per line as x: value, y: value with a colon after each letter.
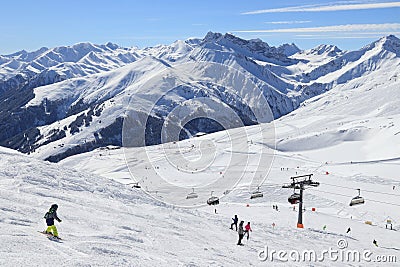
x: 247, y: 229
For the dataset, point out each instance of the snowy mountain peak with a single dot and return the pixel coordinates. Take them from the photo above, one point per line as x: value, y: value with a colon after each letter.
x: 212, y: 37
x: 288, y: 49
x: 323, y: 49
x: 26, y: 56
x: 112, y: 46
x: 390, y: 43
x: 253, y: 48
x: 230, y: 39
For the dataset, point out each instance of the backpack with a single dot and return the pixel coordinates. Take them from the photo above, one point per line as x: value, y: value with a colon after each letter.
x: 48, y: 214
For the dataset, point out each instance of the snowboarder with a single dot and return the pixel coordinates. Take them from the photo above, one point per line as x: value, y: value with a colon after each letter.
x: 50, y: 216
x: 241, y: 233
x: 247, y: 230
x: 348, y: 230
x: 235, y: 222
x: 375, y: 243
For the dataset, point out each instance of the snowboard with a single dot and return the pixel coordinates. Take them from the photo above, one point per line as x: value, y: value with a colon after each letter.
x: 51, y: 236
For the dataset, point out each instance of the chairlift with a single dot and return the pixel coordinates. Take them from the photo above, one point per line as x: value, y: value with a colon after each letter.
x: 213, y: 200
x: 294, y: 198
x: 357, y: 200
x: 256, y: 193
x: 136, y: 185
x: 192, y: 195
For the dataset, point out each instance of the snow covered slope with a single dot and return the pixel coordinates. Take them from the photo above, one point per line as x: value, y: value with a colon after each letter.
x: 81, y: 97
x: 347, y: 137
x: 346, y: 132
x: 67, y: 61
x: 106, y: 223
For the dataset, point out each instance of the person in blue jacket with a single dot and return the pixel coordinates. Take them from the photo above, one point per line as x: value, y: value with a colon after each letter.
x: 235, y: 222
x: 50, y: 216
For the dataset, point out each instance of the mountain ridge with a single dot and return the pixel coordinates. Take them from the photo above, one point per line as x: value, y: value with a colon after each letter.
x: 55, y: 107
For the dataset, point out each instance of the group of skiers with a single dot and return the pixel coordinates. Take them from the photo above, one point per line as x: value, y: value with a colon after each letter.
x: 51, y: 215
x: 241, y: 232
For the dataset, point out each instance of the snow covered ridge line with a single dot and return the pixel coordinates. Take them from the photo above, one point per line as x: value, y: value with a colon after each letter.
x: 69, y: 100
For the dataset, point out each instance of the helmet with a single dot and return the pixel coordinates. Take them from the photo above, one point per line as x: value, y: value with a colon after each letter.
x: 54, y: 206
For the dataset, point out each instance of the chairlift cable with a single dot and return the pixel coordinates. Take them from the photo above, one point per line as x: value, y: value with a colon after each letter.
x: 371, y: 200
x: 370, y: 191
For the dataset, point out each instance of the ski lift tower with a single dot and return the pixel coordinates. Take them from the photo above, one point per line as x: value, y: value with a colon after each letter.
x: 301, y: 182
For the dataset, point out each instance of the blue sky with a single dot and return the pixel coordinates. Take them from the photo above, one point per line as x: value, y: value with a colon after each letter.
x: 29, y: 25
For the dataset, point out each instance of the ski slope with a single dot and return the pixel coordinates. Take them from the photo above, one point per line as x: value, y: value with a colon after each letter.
x: 106, y: 223
x: 348, y: 138
x: 344, y: 139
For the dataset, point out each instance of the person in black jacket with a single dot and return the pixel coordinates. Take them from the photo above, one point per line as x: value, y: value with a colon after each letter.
x: 50, y: 216
x: 241, y: 233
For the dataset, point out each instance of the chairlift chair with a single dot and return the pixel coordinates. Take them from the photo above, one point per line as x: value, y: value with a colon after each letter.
x: 213, y: 200
x: 136, y: 185
x: 357, y: 200
x: 294, y: 198
x: 192, y: 195
x: 256, y: 193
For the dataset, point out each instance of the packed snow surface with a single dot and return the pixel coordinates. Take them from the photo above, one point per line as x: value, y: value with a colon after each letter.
x: 345, y: 141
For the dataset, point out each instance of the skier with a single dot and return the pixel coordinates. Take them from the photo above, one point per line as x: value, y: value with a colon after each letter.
x: 247, y: 230
x: 348, y: 230
x: 241, y: 233
x: 375, y: 243
x: 235, y: 222
x: 324, y: 228
x: 50, y: 216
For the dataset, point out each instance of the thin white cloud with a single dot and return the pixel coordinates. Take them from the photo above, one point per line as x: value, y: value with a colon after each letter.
x: 289, y: 22
x: 318, y: 37
x: 325, y: 8
x: 334, y: 28
x: 152, y: 19
x: 344, y: 35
